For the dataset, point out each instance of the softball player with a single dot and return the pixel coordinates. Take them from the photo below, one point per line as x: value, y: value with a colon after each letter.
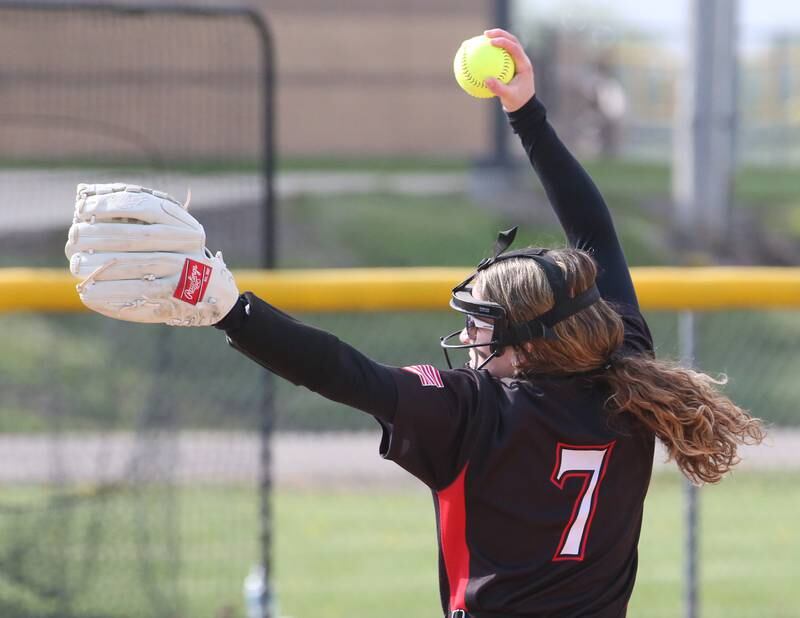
x: 539, y: 451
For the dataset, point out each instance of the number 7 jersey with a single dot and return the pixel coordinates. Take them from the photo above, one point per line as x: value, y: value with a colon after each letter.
x: 538, y: 488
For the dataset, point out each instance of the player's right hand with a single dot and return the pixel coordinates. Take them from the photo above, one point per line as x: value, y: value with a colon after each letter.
x: 142, y: 258
x: 521, y: 88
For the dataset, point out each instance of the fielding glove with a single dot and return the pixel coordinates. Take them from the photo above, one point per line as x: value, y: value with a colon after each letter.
x: 141, y: 257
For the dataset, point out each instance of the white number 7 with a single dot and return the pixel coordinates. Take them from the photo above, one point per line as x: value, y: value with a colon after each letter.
x: 589, y: 462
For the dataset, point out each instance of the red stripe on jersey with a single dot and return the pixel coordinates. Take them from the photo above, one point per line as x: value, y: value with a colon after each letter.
x: 428, y: 375
x: 453, y: 530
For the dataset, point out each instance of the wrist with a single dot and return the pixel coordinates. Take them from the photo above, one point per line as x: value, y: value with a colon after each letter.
x: 531, y: 107
x: 236, y: 316
x: 528, y: 118
x: 518, y: 105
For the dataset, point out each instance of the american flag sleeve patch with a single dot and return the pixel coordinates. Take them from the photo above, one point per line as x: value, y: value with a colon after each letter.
x: 428, y: 375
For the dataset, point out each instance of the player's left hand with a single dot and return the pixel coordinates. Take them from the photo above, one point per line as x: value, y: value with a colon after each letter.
x: 142, y: 258
x: 522, y: 86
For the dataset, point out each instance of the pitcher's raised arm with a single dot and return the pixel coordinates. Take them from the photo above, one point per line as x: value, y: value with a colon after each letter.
x: 573, y: 195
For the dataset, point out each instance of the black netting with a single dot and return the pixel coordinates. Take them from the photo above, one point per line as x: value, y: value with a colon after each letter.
x: 92, y: 516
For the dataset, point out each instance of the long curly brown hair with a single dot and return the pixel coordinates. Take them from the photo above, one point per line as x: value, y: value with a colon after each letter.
x: 700, y: 427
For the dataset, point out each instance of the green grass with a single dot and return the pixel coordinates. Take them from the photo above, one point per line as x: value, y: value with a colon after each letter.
x: 388, y: 230
x: 752, y: 184
x: 771, y: 193
x: 359, y: 553
x: 631, y: 179
x: 417, y: 165
x: 217, y: 166
x: 773, y: 184
x: 368, y: 548
x: 408, y: 230
x: 746, y: 548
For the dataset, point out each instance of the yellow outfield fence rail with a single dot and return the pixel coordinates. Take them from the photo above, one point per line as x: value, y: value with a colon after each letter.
x: 404, y: 289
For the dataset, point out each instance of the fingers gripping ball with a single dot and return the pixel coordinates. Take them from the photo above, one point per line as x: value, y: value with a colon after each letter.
x: 141, y: 257
x: 477, y: 60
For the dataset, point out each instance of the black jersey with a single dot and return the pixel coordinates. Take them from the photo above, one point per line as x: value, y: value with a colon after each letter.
x: 538, y: 489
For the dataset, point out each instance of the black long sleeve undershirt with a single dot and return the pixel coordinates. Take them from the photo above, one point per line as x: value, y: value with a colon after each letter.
x: 576, y: 201
x: 321, y: 362
x: 310, y: 357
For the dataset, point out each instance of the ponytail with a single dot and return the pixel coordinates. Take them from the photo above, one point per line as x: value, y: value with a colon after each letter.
x: 700, y: 427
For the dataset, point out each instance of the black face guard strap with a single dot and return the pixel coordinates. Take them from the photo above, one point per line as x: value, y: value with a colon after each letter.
x: 563, y: 305
x: 503, y: 242
x: 542, y: 325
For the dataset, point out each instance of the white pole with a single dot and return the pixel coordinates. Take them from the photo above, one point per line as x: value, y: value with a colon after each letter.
x: 705, y: 133
x: 703, y: 164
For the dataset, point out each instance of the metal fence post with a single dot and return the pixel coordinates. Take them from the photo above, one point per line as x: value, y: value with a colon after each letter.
x: 501, y: 155
x: 268, y: 261
x: 686, y: 344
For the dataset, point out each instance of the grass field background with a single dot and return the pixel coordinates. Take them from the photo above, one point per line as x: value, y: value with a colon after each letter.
x: 343, y: 553
x: 369, y: 550
x: 346, y: 554
x: 352, y: 553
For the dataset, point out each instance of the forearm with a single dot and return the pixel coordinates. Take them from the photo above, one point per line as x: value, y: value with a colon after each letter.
x: 310, y: 357
x: 577, y: 202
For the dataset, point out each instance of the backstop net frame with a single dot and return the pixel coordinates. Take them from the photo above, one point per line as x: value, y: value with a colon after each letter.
x: 99, y: 91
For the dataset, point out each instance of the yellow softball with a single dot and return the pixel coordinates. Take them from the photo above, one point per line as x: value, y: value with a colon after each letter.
x: 477, y: 60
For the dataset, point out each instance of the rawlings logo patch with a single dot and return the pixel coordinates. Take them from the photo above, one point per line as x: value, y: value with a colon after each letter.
x: 193, y: 283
